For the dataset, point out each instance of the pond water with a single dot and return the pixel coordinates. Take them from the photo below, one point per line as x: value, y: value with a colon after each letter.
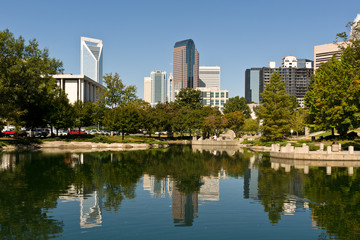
x: 176, y: 193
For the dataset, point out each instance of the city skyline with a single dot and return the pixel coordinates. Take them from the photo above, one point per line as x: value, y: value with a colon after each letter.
x: 229, y: 35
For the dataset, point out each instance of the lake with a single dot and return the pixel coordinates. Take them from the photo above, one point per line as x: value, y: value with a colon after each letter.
x: 177, y: 193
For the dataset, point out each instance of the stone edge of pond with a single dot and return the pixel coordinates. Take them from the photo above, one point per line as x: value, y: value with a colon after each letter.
x: 61, y: 146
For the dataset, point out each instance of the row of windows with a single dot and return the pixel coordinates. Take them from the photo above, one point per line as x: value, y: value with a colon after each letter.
x: 216, y: 94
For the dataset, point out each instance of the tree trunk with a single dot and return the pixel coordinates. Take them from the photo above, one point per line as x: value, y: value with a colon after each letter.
x: 333, y: 131
x: 122, y: 135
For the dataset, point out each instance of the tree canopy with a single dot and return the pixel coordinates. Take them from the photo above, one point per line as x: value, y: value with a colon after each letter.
x: 189, y: 97
x: 26, y: 83
x: 237, y: 104
x: 275, y: 109
x: 333, y: 96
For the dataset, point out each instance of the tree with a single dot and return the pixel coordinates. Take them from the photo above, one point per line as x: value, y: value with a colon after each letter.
x: 237, y: 104
x: 83, y: 114
x: 234, y: 121
x: 62, y: 114
x: 26, y: 83
x: 298, y: 120
x: 116, y: 93
x: 189, y: 97
x: 124, y: 119
x: 275, y: 109
x: 334, y: 93
x: 251, y: 125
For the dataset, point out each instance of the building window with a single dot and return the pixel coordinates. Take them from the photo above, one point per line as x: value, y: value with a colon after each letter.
x: 222, y: 102
x: 222, y: 95
x: 212, y: 95
x: 227, y: 94
x: 217, y: 102
x: 217, y: 95
x: 211, y: 102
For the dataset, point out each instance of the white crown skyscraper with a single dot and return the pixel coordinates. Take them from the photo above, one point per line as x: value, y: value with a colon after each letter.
x: 92, y: 58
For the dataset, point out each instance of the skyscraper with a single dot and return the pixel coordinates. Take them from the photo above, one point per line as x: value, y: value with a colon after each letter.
x: 186, y: 65
x: 252, y: 87
x: 209, y: 77
x: 155, y: 88
x: 92, y: 58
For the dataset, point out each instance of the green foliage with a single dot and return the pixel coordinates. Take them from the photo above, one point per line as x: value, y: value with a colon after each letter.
x: 26, y: 83
x: 237, y: 104
x: 189, y: 97
x: 275, y: 109
x: 234, y: 121
x: 333, y: 97
x: 251, y: 125
x: 61, y: 117
x: 83, y: 113
x: 116, y: 93
x: 298, y: 120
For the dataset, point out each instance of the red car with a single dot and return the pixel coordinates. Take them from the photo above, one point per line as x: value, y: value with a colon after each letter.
x: 75, y: 131
x: 9, y: 133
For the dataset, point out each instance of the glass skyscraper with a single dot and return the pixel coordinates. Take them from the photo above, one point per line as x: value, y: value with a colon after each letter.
x: 92, y: 58
x: 186, y: 65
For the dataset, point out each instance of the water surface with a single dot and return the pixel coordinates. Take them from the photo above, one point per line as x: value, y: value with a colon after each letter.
x: 177, y: 193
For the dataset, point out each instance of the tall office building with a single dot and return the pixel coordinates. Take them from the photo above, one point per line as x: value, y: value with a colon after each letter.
x: 252, y: 81
x: 155, y: 88
x: 92, y: 58
x: 170, y: 89
x: 209, y: 77
x: 147, y: 89
x: 186, y: 65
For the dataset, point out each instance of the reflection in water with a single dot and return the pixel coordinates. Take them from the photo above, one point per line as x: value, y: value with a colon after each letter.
x: 34, y: 183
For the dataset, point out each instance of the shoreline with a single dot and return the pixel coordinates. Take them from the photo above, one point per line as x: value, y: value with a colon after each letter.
x: 61, y: 146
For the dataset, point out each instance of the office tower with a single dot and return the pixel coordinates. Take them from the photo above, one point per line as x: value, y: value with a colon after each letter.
x: 158, y: 87
x: 209, y: 77
x: 170, y: 89
x: 323, y: 53
x: 147, y: 89
x: 252, y: 81
x: 92, y: 58
x: 186, y: 65
x: 155, y: 88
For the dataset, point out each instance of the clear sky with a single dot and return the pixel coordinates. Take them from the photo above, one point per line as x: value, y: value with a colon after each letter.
x: 139, y: 35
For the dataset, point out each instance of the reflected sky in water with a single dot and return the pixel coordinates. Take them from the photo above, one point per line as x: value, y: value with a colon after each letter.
x: 177, y: 193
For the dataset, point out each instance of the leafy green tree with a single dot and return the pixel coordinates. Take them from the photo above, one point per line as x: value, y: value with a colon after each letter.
x: 26, y: 83
x: 189, y: 97
x: 62, y: 114
x: 237, y: 104
x: 116, y: 93
x: 213, y: 124
x: 83, y: 114
x: 124, y: 119
x: 234, y: 121
x: 298, y: 120
x: 275, y: 109
x: 251, y: 125
x: 333, y: 96
x: 162, y: 117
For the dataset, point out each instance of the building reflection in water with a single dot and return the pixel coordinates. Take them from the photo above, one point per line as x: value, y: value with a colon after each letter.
x: 90, y: 199
x: 184, y: 205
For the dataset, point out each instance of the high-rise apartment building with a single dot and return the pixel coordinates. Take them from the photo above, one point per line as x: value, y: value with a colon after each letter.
x: 186, y: 65
x: 295, y: 73
x: 296, y: 79
x: 155, y: 88
x: 92, y: 58
x: 209, y: 77
x: 214, y: 97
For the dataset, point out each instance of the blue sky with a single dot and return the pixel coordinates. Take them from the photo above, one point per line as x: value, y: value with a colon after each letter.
x: 139, y: 35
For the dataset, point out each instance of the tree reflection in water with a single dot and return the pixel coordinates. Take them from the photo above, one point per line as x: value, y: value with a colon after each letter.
x: 32, y: 183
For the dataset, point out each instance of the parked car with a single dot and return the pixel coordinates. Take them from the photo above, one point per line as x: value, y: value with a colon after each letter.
x: 62, y: 132
x: 9, y: 133
x: 76, y: 131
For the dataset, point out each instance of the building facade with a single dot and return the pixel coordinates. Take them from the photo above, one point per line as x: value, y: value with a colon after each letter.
x: 296, y: 79
x: 214, y: 97
x: 170, y: 89
x: 185, y: 65
x: 209, y: 77
x: 78, y: 87
x: 323, y: 53
x: 147, y: 89
x: 91, y: 59
x: 252, y: 85
x: 155, y: 88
